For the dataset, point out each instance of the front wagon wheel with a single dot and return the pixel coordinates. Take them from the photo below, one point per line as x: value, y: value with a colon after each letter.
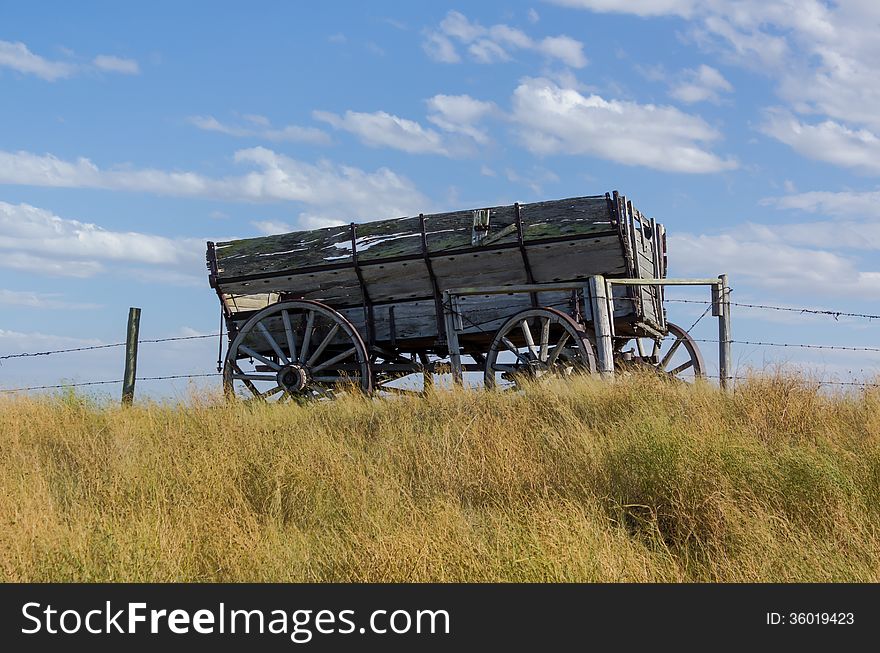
x: 297, y: 349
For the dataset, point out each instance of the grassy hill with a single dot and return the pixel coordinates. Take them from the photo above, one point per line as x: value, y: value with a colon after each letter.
x: 640, y: 480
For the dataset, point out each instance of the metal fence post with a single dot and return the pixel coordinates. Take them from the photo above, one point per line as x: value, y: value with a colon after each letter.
x: 131, y: 347
x: 452, y: 339
x: 602, y: 326
x: 724, y: 336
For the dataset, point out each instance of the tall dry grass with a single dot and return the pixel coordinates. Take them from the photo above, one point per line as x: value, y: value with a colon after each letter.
x: 640, y: 480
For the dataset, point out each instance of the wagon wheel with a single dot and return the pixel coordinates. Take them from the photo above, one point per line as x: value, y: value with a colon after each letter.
x: 296, y: 349
x: 677, y: 355
x: 538, y: 343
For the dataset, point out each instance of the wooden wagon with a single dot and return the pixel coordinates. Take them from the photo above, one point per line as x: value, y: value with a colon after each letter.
x: 373, y: 304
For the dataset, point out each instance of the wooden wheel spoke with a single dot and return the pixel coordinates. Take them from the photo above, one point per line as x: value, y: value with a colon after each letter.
x: 512, y: 348
x: 307, y: 337
x: 326, y: 341
x: 272, y: 343
x: 291, y: 336
x: 558, y: 348
x: 272, y: 392
x: 671, y: 351
x: 353, y: 378
x: 318, y: 390
x: 250, y: 352
x: 247, y: 382
x: 530, y: 340
x: 501, y: 367
x: 655, y: 351
x: 682, y: 367
x: 253, y: 377
x: 335, y: 359
x: 640, y: 347
x: 545, y: 340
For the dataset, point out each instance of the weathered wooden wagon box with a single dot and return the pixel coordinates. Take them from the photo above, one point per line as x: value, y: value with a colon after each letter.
x: 387, y: 278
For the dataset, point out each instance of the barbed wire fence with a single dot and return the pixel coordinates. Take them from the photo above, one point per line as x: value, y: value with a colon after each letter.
x: 86, y: 348
x: 835, y: 314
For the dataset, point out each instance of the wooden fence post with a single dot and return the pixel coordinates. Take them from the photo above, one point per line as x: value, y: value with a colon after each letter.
x: 131, y: 348
x: 602, y: 326
x: 724, y: 354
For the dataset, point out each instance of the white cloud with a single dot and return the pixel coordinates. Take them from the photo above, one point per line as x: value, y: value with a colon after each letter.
x: 773, y: 265
x: 339, y: 191
x: 457, y: 25
x: 272, y: 227
x: 827, y: 141
x: 555, y: 120
x: 49, y: 266
x: 381, y: 129
x: 20, y: 341
x: 566, y: 49
x: 37, y: 240
x: 487, y: 51
x: 460, y: 114
x: 257, y: 119
x: 700, y: 85
x: 533, y: 15
x: 18, y: 57
x: 494, y: 44
x: 113, y: 64
x: 262, y: 130
x: 41, y: 300
x: 843, y: 204
x: 639, y: 7
x: 439, y: 48
x: 827, y: 234
x: 822, y: 55
x: 534, y: 180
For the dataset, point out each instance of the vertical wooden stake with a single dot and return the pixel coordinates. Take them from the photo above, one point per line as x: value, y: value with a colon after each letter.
x: 724, y: 337
x: 131, y: 348
x: 452, y: 339
x: 602, y: 326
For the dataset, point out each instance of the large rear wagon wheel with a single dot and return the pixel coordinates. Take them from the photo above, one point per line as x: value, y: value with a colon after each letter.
x: 538, y: 344
x: 297, y: 349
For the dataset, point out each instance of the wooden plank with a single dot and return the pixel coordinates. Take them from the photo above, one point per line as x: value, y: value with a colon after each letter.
x: 490, y: 268
x: 397, y: 281
x: 577, y: 259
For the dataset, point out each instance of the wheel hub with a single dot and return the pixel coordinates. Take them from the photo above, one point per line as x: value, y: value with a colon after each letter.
x: 293, y: 377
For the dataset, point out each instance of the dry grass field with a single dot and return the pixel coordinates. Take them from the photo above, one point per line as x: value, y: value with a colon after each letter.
x: 641, y: 480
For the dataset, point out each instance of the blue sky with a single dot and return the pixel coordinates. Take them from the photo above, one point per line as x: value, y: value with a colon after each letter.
x: 130, y: 134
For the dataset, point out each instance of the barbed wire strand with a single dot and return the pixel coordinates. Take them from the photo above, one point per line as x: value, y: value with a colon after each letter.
x: 114, y: 344
x: 812, y: 311
x: 86, y: 383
